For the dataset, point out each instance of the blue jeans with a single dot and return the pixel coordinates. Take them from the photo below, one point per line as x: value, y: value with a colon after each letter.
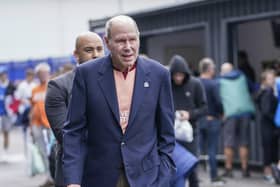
x: 209, y: 133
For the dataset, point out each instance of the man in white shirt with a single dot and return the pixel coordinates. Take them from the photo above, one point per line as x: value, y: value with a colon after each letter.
x: 23, y: 94
x: 24, y: 90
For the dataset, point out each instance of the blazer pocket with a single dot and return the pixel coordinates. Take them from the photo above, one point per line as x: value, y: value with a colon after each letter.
x: 150, y: 162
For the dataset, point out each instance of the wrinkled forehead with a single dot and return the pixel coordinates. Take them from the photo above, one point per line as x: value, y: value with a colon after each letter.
x: 43, y: 71
x: 124, y: 28
x: 131, y: 35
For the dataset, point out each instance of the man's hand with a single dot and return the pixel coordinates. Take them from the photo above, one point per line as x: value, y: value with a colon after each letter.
x: 74, y: 185
x: 185, y: 115
x: 210, y: 118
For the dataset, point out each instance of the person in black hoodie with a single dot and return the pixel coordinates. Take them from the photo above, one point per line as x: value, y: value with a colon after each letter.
x: 267, y: 103
x: 189, y: 100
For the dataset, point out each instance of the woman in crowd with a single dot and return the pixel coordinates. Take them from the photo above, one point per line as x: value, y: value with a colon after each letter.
x: 267, y: 103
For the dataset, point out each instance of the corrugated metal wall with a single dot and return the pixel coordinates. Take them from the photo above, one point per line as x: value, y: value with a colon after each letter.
x: 211, y: 12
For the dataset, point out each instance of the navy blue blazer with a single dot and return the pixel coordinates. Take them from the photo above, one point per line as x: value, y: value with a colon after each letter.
x: 95, y: 149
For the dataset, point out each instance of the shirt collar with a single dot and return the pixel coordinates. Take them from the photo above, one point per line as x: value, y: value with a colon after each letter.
x: 125, y: 73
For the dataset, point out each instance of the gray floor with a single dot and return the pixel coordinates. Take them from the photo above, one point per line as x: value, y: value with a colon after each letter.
x: 256, y: 180
x: 13, y: 172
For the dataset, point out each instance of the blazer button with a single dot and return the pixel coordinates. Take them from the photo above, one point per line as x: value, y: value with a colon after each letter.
x: 123, y: 144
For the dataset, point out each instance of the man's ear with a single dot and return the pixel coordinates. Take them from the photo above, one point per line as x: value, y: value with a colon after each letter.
x: 75, y: 53
x: 106, y: 39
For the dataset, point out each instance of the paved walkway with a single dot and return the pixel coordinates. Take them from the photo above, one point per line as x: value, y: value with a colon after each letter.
x: 13, y: 172
x: 13, y: 165
x: 255, y: 180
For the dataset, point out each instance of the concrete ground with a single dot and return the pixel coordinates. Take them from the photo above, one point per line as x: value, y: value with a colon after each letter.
x: 13, y: 169
x: 255, y: 180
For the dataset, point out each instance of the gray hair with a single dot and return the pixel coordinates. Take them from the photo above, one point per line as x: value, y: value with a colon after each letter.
x: 205, y: 64
x: 121, y: 18
x: 42, y: 67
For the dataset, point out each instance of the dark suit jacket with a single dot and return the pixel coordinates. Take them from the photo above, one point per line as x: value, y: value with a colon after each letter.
x: 56, y: 105
x: 96, y: 150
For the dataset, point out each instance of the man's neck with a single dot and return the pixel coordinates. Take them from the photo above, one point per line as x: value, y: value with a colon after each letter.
x: 43, y: 83
x: 121, y: 68
x: 118, y: 66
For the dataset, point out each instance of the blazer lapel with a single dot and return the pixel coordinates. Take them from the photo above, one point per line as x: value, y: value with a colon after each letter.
x: 107, y: 83
x: 141, y: 86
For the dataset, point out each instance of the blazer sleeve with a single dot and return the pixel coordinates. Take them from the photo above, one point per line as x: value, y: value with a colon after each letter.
x: 56, y: 108
x: 165, y: 125
x: 74, y: 133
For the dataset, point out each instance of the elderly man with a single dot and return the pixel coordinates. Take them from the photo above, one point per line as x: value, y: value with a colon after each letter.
x: 89, y: 46
x: 119, y: 129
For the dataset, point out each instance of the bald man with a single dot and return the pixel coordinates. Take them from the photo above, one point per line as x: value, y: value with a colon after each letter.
x: 119, y: 129
x: 238, y: 109
x: 89, y: 46
x: 226, y: 68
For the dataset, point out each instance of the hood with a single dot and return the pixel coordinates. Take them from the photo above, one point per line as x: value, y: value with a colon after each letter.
x: 232, y: 75
x: 179, y: 65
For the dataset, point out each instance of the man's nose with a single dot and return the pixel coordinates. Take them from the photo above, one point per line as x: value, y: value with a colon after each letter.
x: 94, y: 54
x: 127, y: 44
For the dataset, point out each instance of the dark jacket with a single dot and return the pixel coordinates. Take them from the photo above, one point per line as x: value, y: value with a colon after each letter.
x: 56, y: 105
x: 10, y: 89
x: 57, y: 101
x: 189, y: 96
x: 144, y: 151
x: 9, y: 96
x: 215, y: 107
x: 267, y: 104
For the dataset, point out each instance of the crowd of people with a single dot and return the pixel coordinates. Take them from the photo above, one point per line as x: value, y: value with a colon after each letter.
x: 233, y: 99
x: 109, y: 121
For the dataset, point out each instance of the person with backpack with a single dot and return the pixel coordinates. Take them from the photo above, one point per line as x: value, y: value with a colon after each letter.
x: 238, y: 110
